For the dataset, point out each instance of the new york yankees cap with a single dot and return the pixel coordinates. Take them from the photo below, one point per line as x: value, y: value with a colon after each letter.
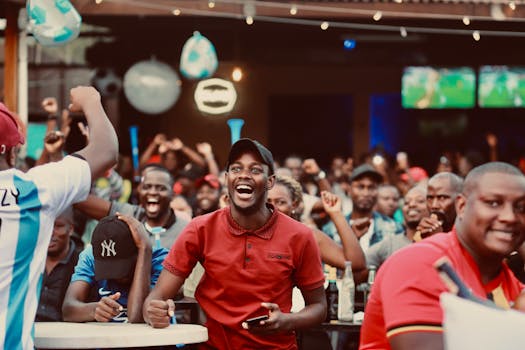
x: 114, y: 249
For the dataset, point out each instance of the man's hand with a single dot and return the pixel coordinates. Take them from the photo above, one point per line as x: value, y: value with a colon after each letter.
x: 159, y: 139
x: 54, y: 142
x: 138, y: 232
x: 310, y: 167
x: 176, y: 144
x: 107, y: 308
x: 331, y: 202
x: 277, y: 322
x: 83, y: 96
x: 204, y: 148
x: 160, y: 312
x: 50, y: 105
x: 428, y: 226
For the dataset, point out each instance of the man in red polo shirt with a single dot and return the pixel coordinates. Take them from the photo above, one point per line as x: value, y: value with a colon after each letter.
x: 403, y: 311
x: 252, y: 256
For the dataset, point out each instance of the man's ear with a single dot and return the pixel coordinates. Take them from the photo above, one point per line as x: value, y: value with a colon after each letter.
x: 460, y: 203
x: 270, y: 182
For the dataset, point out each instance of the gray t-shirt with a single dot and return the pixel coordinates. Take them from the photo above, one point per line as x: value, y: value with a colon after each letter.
x: 378, y: 253
x: 167, y: 238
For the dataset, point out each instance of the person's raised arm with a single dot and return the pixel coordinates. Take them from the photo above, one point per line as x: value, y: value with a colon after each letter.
x: 205, y: 149
x: 193, y: 156
x: 159, y: 307
x: 140, y: 286
x: 351, y: 248
x: 153, y: 146
x: 310, y: 167
x: 101, y: 152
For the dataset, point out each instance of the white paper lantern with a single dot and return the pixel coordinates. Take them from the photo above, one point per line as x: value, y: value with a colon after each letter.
x: 151, y: 87
x: 53, y: 22
x: 198, y: 59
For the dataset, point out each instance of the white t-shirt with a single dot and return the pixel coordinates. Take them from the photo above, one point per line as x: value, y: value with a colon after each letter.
x: 29, y: 204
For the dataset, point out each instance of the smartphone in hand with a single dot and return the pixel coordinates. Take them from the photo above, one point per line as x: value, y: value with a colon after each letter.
x: 254, y: 322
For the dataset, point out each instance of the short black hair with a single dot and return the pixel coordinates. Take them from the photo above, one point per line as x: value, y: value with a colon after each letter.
x: 158, y: 167
x: 488, y: 168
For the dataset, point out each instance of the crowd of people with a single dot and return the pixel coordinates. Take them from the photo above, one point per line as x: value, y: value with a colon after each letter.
x: 239, y: 237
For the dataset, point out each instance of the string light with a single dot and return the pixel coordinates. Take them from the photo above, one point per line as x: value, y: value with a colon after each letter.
x: 377, y: 16
x: 325, y: 25
x: 192, y: 11
x: 476, y: 35
x: 403, y: 32
x: 249, y: 20
x: 466, y: 20
x: 211, y: 4
x: 237, y: 74
x: 512, y: 5
x: 293, y: 10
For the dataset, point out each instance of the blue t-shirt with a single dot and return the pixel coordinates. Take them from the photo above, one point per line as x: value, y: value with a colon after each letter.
x: 85, y: 271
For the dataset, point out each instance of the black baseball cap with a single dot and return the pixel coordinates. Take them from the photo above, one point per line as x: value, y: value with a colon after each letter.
x: 114, y: 249
x: 243, y: 145
x: 366, y: 170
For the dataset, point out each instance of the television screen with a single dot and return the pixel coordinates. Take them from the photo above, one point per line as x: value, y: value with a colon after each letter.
x: 501, y: 86
x: 431, y: 87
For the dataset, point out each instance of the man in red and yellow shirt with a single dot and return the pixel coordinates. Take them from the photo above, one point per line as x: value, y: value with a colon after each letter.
x: 403, y: 311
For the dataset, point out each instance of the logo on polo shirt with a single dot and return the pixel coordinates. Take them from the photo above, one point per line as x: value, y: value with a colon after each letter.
x: 108, y: 248
x: 278, y: 256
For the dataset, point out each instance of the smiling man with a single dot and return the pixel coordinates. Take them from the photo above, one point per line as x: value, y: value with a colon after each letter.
x: 403, y: 311
x: 253, y: 256
x: 155, y: 194
x: 414, y: 209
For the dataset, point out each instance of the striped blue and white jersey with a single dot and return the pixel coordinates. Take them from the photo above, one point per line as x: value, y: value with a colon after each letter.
x: 29, y: 204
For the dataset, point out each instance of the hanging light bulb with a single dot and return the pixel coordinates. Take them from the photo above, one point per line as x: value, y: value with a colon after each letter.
x: 293, y: 10
x: 325, y: 25
x: 403, y: 32
x: 211, y: 4
x: 98, y: 2
x: 377, y: 16
x: 249, y: 11
x: 237, y: 74
x: 512, y: 5
x: 476, y: 35
x: 176, y: 12
x: 398, y: 1
x: 466, y: 20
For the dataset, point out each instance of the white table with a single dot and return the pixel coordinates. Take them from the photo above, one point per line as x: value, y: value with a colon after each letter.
x: 66, y: 335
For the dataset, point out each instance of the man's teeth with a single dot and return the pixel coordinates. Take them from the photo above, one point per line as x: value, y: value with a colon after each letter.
x: 244, y: 188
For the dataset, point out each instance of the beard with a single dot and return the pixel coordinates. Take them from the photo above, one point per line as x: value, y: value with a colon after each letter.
x: 412, y: 224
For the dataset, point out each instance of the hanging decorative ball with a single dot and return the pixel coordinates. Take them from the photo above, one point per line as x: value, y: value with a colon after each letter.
x: 151, y: 86
x: 198, y: 59
x: 53, y: 22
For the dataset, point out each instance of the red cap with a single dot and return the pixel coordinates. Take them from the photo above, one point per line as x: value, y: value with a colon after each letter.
x: 417, y: 174
x: 10, y: 136
x: 210, y: 180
